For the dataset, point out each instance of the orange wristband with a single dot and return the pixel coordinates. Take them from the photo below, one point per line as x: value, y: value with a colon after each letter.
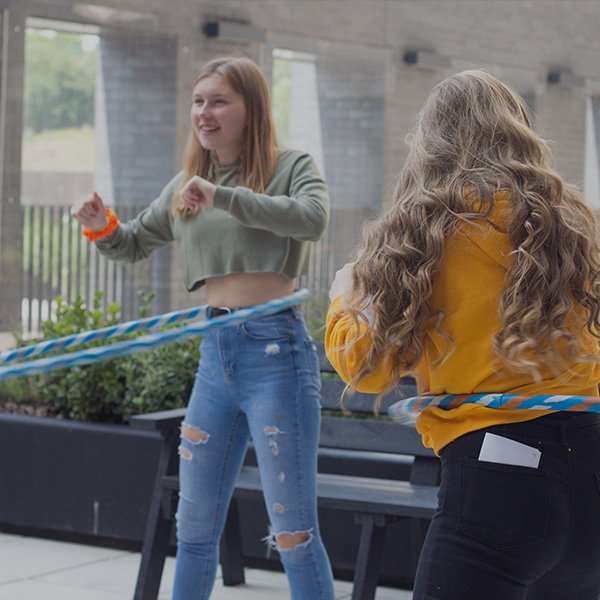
x: 113, y: 222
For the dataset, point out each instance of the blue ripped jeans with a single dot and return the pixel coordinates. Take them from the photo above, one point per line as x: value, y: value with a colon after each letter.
x: 259, y: 379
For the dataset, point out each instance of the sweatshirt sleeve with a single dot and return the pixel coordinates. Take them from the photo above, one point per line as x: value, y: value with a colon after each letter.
x: 301, y: 214
x: 149, y: 230
x: 346, y: 346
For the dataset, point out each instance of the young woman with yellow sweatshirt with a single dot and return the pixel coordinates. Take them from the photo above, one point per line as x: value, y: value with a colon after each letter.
x: 484, y: 276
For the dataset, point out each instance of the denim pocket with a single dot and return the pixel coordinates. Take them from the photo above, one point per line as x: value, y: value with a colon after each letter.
x: 275, y: 328
x: 501, y: 505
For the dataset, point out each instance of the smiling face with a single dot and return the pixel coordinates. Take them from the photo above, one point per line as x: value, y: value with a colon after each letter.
x: 219, y: 117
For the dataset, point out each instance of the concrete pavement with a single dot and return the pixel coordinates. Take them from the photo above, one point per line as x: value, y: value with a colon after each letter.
x: 38, y: 568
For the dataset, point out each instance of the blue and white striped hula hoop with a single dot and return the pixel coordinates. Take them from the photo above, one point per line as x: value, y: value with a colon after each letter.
x: 92, y: 355
x: 105, y: 333
x: 407, y: 410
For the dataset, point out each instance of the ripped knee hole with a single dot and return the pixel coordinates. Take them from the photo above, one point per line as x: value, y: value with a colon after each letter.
x: 194, y: 435
x: 291, y: 540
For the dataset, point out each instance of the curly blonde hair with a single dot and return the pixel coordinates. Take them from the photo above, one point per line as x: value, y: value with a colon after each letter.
x: 474, y: 137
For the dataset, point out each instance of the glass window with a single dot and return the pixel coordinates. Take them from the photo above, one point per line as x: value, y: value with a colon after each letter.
x: 99, y: 114
x: 592, y: 152
x: 333, y: 107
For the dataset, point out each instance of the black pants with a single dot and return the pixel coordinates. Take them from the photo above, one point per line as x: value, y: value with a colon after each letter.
x: 504, y: 532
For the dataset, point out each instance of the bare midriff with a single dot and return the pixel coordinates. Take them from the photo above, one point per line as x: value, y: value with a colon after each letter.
x: 246, y: 289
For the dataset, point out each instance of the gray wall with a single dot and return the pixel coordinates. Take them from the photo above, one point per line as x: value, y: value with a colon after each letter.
x: 139, y: 78
x: 11, y: 119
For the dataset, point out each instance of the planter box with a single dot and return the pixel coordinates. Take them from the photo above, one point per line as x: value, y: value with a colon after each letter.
x: 93, y: 482
x: 69, y: 477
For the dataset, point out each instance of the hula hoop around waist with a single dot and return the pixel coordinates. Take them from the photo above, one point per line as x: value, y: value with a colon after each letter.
x: 92, y: 355
x: 105, y: 333
x: 407, y: 410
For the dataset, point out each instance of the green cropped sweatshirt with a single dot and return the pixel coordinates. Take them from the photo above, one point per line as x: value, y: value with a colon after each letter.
x: 245, y: 232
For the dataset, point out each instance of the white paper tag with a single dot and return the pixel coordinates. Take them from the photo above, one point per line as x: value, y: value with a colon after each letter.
x: 498, y: 449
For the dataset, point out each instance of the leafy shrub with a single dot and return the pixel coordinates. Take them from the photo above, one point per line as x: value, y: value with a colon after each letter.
x: 113, y: 390
x: 161, y: 378
x: 18, y: 389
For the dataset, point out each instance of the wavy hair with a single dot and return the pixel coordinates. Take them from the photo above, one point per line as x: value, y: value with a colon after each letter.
x: 474, y: 137
x: 259, y: 151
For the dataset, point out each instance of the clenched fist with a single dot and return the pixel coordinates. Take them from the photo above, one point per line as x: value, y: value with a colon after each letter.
x: 89, y: 210
x: 198, y: 193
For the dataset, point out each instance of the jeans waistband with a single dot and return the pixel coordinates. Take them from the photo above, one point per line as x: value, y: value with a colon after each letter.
x: 551, y: 428
x: 567, y: 419
x: 217, y: 311
x: 562, y: 427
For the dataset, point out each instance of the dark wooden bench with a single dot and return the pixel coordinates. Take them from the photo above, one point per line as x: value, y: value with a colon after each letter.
x: 374, y: 501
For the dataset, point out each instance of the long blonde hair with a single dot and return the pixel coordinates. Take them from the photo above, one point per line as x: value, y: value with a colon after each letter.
x: 259, y: 152
x: 474, y: 137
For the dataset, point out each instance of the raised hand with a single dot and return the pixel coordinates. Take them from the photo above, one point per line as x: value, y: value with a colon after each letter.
x: 342, y: 282
x: 198, y: 193
x: 89, y: 210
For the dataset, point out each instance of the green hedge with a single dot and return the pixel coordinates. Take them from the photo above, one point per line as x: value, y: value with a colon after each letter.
x: 112, y: 390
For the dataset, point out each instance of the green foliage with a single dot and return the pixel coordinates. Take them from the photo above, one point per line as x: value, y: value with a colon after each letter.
x: 161, y: 378
x: 113, y: 390
x: 78, y: 317
x: 316, y: 311
x: 18, y: 390
x: 59, y: 81
x: 90, y: 393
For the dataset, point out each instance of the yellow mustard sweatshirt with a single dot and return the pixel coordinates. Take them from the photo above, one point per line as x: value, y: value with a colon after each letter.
x: 466, y: 289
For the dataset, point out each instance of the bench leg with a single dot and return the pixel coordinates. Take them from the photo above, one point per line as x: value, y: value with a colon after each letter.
x: 154, y: 551
x: 368, y: 560
x: 418, y: 530
x: 231, y: 554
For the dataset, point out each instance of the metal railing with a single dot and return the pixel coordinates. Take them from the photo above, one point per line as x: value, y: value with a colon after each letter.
x: 58, y: 261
